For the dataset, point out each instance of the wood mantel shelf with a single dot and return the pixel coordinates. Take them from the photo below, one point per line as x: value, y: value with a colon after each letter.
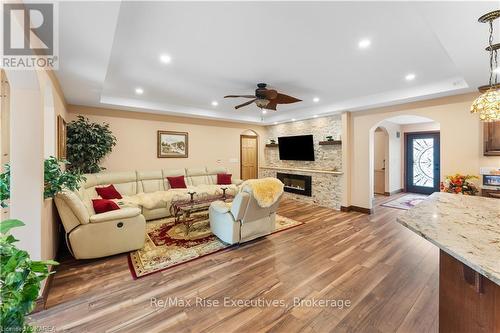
x: 271, y: 145
x: 330, y: 143
x: 328, y: 171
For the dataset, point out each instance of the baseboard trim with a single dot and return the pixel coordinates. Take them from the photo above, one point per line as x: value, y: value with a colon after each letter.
x: 356, y: 209
x: 388, y: 194
x: 41, y: 302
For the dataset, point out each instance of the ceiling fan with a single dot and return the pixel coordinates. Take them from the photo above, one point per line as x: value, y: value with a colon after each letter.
x: 266, y: 98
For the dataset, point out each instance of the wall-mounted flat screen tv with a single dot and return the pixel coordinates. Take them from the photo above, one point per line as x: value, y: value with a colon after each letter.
x: 296, y: 148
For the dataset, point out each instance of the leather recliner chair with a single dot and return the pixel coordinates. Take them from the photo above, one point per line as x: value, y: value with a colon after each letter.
x: 243, y: 219
x: 99, y: 235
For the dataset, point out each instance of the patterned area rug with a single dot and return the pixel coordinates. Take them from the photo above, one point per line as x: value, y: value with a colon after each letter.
x: 406, y: 202
x: 167, y: 245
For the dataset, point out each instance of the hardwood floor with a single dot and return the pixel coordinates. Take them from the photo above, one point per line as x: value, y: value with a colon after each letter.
x: 388, y: 274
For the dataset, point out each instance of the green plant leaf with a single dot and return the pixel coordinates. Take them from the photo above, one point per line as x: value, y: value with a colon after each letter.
x: 6, y: 225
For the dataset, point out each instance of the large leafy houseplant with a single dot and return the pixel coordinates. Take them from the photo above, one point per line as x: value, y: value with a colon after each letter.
x: 54, y: 177
x: 20, y: 280
x: 4, y: 186
x: 87, y: 144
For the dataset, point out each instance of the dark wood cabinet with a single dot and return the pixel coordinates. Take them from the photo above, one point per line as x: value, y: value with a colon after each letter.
x: 491, y: 138
x: 468, y: 301
x: 490, y: 193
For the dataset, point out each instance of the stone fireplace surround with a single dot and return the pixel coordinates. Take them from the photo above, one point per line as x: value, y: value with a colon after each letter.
x: 325, y: 170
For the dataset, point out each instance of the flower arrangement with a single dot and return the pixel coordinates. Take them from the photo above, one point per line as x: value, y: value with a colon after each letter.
x: 459, y: 184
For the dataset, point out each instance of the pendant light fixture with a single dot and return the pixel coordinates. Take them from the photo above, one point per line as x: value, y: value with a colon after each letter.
x: 487, y: 105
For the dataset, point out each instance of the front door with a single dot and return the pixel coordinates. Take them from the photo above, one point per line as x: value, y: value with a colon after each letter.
x: 422, y: 162
x: 248, y: 152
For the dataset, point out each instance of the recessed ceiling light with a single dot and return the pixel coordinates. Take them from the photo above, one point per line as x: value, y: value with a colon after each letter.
x: 316, y: 99
x: 165, y: 58
x: 364, y: 43
x: 139, y: 91
x: 315, y: 116
x: 275, y: 123
x: 215, y: 103
x: 410, y: 77
x: 264, y: 111
x: 293, y: 119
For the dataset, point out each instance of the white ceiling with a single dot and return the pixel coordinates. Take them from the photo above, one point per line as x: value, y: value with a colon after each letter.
x: 107, y: 49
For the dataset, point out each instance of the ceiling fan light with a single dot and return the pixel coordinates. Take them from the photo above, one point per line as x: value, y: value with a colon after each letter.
x: 262, y: 103
x: 487, y: 105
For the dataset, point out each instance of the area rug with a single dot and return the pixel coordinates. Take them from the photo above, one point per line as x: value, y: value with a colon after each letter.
x: 406, y: 201
x: 167, y: 245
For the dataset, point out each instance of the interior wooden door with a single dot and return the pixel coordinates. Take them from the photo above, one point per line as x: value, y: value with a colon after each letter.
x: 249, y: 157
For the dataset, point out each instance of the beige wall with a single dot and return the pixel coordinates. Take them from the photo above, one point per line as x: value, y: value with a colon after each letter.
x: 211, y: 143
x: 461, y: 141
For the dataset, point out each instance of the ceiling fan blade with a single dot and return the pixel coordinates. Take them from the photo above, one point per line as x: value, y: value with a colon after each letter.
x: 244, y: 96
x: 245, y: 104
x: 269, y: 94
x: 285, y: 99
x: 271, y: 105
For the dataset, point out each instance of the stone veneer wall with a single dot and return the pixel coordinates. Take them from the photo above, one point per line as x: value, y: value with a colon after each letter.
x: 326, y: 157
x: 326, y: 188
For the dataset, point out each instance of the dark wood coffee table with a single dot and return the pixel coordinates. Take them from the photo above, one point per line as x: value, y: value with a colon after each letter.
x: 182, y: 210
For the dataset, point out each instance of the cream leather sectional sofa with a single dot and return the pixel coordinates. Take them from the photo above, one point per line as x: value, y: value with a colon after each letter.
x: 91, y: 235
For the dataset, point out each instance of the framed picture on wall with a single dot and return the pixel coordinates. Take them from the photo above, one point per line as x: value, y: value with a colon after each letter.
x: 172, y: 144
x: 61, y: 138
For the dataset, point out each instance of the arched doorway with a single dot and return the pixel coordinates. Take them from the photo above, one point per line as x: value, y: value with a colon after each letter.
x: 249, y: 155
x: 410, y: 146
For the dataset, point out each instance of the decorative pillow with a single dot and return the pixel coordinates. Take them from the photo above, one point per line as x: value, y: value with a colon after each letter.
x: 104, y: 205
x: 108, y: 192
x: 177, y: 182
x: 224, y: 179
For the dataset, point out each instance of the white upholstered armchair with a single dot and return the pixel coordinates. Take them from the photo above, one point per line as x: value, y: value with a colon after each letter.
x: 244, y: 219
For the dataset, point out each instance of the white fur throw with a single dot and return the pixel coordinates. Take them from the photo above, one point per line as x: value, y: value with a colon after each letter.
x: 162, y: 199
x: 157, y: 199
x: 265, y: 190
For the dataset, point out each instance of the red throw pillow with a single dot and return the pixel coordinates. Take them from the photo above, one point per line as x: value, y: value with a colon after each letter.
x: 104, y: 205
x: 108, y: 192
x: 177, y: 182
x: 224, y: 179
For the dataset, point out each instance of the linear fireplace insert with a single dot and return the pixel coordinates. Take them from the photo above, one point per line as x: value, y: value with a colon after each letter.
x: 299, y: 184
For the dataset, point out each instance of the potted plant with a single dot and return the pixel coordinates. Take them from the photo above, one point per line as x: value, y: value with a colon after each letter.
x: 87, y: 144
x: 272, y: 141
x: 55, y: 179
x: 4, y: 186
x: 20, y: 279
x: 329, y: 138
x: 459, y: 184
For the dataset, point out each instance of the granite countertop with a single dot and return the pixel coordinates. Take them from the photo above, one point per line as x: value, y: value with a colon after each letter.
x: 465, y: 227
